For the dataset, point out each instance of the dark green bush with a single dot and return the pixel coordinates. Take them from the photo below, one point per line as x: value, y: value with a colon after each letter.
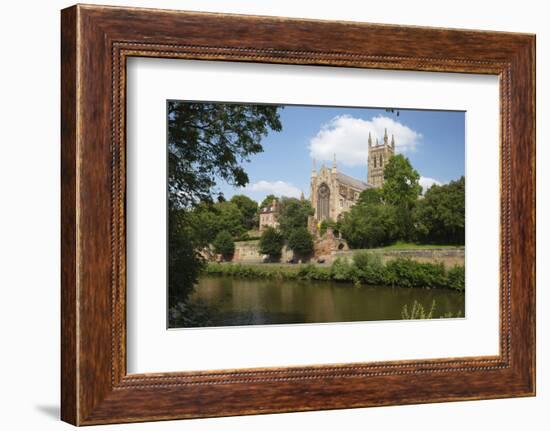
x: 224, y: 244
x: 410, y: 273
x: 367, y: 270
x: 271, y: 243
x: 300, y: 242
x: 370, y: 268
x: 456, y: 278
x: 342, y: 270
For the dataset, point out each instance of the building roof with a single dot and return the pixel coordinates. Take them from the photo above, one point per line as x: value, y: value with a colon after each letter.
x: 268, y: 210
x: 352, y: 182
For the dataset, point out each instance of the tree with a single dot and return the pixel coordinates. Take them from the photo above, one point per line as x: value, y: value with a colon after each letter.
x: 206, y: 142
x: 440, y: 215
x: 401, y: 189
x: 230, y: 218
x: 203, y: 222
x: 224, y: 244
x: 271, y: 243
x: 207, y: 220
x: 210, y: 141
x: 369, y: 225
x: 184, y: 260
x: 249, y: 210
x: 268, y: 200
x: 370, y: 197
x: 300, y: 242
x: 293, y: 214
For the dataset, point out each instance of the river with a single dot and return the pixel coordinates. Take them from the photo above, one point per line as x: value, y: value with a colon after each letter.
x: 232, y: 301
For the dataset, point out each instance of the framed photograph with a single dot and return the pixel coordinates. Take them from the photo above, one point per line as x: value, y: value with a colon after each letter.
x: 266, y: 215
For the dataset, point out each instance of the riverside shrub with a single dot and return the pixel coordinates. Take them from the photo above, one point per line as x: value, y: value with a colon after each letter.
x: 362, y: 270
x: 370, y: 268
x: 410, y: 273
x: 455, y: 277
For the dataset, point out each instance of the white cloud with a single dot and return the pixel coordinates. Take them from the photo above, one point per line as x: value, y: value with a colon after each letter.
x: 427, y: 182
x: 347, y: 137
x: 278, y: 188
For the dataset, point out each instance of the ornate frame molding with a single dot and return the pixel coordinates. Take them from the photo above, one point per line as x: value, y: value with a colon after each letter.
x: 96, y: 41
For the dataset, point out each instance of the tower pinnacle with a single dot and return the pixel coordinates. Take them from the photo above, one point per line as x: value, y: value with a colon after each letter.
x: 385, y: 136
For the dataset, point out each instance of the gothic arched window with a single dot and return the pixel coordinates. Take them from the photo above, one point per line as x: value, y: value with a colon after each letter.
x: 323, y: 200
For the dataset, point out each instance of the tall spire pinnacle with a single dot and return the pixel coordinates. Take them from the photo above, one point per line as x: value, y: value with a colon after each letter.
x: 313, y: 167
x: 334, y: 164
x: 392, y: 141
x: 385, y: 136
x: 370, y: 140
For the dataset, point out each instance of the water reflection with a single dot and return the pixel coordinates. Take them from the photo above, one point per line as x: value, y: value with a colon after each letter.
x: 230, y: 301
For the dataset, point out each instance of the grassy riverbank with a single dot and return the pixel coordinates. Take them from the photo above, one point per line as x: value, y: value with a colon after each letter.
x: 364, y: 269
x: 399, y: 245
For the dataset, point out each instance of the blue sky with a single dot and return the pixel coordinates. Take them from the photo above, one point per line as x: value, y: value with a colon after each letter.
x: 432, y: 140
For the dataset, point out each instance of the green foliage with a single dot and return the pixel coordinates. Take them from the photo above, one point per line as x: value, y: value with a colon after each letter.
x: 224, y: 244
x: 400, y: 245
x: 209, y: 141
x: 341, y: 270
x: 370, y: 197
x: 363, y: 260
x: 184, y: 261
x: 451, y: 315
x: 229, y: 218
x: 456, y: 278
x: 247, y: 237
x: 268, y: 200
x: 401, y: 189
x: 417, y: 311
x: 264, y: 271
x: 369, y: 225
x: 440, y: 215
x: 248, y: 209
x: 410, y: 273
x: 206, y: 142
x: 365, y: 269
x: 370, y: 268
x: 271, y: 243
x: 189, y: 314
x: 314, y: 272
x: 208, y: 220
x: 300, y: 242
x: 327, y: 223
x: 293, y: 214
x: 395, y: 212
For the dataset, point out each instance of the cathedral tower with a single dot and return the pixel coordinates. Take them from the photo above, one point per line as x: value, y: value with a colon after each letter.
x: 379, y: 156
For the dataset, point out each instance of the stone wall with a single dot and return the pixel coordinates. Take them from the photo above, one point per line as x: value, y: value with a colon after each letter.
x: 247, y: 252
x: 327, y: 250
x: 324, y: 247
x: 449, y: 256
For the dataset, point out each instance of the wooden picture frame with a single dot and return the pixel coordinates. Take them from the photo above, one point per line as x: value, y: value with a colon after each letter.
x: 95, y: 43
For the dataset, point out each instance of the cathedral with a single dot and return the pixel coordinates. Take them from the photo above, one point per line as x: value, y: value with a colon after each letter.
x: 333, y: 193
